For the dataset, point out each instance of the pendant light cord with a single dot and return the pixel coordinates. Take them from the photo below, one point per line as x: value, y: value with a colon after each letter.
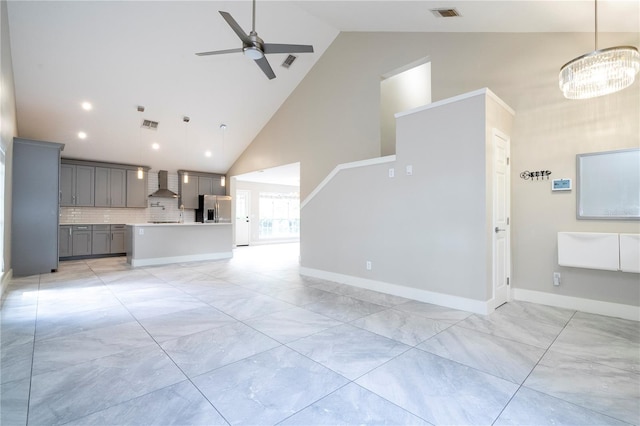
x: 596, y: 19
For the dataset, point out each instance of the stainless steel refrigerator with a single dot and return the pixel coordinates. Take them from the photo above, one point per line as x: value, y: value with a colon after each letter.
x: 214, y: 209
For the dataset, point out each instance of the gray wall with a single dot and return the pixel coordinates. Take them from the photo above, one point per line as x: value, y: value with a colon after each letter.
x: 8, y: 130
x: 431, y: 230
x: 333, y: 117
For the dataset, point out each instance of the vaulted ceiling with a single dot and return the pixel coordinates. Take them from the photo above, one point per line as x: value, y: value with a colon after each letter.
x: 119, y: 55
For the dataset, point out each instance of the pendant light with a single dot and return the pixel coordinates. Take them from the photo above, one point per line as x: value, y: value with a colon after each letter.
x: 223, y: 127
x: 140, y: 170
x: 600, y: 72
x: 185, y: 119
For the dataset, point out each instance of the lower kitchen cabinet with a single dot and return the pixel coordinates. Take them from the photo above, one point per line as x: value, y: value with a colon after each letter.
x: 91, y: 240
x: 81, y: 240
x: 117, y: 239
x: 65, y: 243
x: 101, y: 239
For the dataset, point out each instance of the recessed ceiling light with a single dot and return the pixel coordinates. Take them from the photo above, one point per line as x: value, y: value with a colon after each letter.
x: 155, y: 146
x: 87, y: 106
x: 82, y: 135
x: 207, y: 154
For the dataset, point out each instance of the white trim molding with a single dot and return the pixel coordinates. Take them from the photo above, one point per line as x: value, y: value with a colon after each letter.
x: 447, y: 300
x: 4, y: 282
x: 344, y: 166
x: 591, y: 306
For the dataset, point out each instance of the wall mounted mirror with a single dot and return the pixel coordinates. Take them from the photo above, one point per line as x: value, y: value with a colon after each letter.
x: 608, y: 185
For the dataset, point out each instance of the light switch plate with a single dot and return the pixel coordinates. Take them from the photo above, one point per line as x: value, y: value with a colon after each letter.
x: 409, y: 170
x: 392, y: 172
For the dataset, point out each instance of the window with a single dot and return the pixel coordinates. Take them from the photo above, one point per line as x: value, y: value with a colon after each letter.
x: 279, y: 215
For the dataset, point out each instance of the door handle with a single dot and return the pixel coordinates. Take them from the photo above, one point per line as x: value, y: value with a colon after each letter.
x: 499, y: 229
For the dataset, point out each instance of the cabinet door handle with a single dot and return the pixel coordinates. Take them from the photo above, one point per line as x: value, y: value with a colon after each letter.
x: 69, y: 231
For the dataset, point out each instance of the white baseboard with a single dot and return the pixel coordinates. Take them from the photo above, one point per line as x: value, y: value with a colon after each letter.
x: 454, y: 302
x: 610, y: 309
x: 179, y: 259
x: 4, y: 282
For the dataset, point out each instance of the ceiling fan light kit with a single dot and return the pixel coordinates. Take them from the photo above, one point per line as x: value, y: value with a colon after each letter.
x: 600, y: 72
x: 254, y: 47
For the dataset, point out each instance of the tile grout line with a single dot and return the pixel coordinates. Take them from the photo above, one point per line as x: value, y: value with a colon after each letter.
x: 33, y: 350
x: 521, y: 385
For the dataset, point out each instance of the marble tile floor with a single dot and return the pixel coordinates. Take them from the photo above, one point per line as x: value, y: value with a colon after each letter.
x: 248, y: 341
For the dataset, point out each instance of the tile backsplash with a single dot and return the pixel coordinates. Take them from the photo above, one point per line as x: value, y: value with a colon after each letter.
x: 158, y: 209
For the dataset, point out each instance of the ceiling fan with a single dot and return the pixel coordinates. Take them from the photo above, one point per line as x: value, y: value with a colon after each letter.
x: 254, y: 47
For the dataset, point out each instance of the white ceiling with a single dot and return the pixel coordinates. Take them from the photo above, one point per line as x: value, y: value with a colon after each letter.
x: 121, y: 54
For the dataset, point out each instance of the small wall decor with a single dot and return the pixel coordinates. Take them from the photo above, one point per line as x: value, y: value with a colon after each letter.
x: 561, y: 185
x: 537, y: 175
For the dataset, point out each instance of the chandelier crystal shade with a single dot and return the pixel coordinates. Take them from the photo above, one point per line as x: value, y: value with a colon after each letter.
x: 600, y: 72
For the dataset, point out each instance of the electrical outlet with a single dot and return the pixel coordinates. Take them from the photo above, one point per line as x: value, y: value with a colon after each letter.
x: 141, y: 231
x: 368, y: 265
x: 556, y: 278
x: 392, y: 172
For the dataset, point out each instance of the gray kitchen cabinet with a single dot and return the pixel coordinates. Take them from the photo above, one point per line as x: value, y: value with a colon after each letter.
x: 200, y: 183
x: 205, y: 185
x: 117, y: 239
x: 65, y: 242
x: 101, y: 239
x: 136, y: 189
x: 81, y: 240
x: 34, y: 207
x: 189, y: 191
x: 218, y: 189
x: 76, y: 185
x: 110, y: 187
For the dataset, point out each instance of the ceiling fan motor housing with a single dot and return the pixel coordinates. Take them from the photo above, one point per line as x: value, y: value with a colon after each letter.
x: 255, y: 50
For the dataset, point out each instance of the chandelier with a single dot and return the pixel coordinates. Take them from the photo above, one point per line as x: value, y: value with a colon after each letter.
x: 599, y: 72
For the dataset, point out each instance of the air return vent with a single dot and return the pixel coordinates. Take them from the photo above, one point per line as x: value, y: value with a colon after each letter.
x: 287, y: 62
x: 148, y: 124
x: 445, y: 13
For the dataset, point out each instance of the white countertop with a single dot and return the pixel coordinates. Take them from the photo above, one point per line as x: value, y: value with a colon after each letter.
x: 178, y: 224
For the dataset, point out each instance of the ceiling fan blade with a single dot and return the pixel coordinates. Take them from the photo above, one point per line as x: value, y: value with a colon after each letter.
x: 287, y: 48
x: 265, y: 67
x: 220, y: 52
x: 236, y: 27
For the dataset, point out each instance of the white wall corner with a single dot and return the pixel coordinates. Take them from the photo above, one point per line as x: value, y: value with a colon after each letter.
x: 591, y: 306
x: 441, y: 299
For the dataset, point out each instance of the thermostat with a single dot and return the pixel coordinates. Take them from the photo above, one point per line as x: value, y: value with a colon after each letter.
x: 561, y: 185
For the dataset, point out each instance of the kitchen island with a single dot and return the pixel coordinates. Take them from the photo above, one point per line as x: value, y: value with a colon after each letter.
x: 163, y: 243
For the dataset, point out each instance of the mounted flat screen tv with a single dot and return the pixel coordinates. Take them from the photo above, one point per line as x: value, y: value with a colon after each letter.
x: 609, y: 185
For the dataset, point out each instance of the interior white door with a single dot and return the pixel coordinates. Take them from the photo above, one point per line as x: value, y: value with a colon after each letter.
x: 501, y: 230
x: 243, y: 225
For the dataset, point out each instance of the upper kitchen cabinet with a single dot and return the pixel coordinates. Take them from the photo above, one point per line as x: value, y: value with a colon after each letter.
x: 205, y: 185
x: 188, y: 191
x: 137, y: 189
x: 199, y: 183
x: 111, y: 187
x: 34, y: 207
x: 76, y: 185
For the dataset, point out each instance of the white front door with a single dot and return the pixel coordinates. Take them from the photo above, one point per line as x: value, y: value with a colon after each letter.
x: 243, y: 225
x: 501, y: 229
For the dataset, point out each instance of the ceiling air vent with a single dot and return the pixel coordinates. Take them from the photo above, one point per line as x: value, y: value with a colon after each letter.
x: 287, y: 62
x: 445, y: 13
x: 148, y: 124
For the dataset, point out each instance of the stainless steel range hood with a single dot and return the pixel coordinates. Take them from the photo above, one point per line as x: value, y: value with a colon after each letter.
x: 163, y: 186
